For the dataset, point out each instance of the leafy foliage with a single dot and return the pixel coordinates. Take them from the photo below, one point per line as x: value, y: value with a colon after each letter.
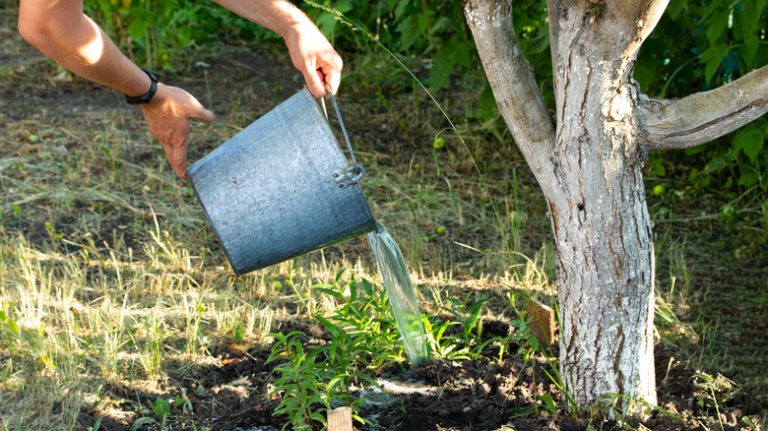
x: 313, y: 376
x: 698, y: 45
x: 155, y: 33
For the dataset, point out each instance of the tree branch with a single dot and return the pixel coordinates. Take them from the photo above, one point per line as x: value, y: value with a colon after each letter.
x: 513, y: 84
x: 616, y: 28
x: 704, y: 116
x: 553, y: 16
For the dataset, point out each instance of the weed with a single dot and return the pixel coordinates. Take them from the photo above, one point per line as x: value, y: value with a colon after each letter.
x: 310, y: 381
x: 625, y: 410
x: 713, y: 391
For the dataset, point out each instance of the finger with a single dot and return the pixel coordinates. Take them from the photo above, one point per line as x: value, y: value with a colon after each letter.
x: 203, y: 115
x: 314, y: 82
x: 332, y: 72
x: 176, y: 150
x: 178, y: 161
x: 333, y: 77
x: 198, y: 111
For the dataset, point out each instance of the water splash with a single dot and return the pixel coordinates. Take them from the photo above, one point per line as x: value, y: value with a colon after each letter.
x: 404, y: 302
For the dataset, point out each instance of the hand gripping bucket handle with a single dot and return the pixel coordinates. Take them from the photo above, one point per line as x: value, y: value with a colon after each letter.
x: 282, y: 187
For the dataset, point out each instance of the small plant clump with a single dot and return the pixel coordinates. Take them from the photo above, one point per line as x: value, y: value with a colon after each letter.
x: 360, y: 339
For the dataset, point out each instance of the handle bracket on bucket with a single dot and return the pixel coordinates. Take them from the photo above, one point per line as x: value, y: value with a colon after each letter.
x: 348, y: 176
x: 351, y: 174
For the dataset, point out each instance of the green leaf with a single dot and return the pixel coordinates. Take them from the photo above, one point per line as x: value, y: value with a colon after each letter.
x: 675, y: 7
x: 331, y: 292
x: 657, y: 167
x: 340, y: 274
x: 715, y: 165
x: 712, y: 57
x: 400, y: 9
x: 748, y: 19
x: 645, y: 74
x: 239, y: 332
x: 716, y: 25
x: 161, y: 408
x: 333, y: 329
x: 442, y: 66
x: 409, y: 32
x: 138, y: 28
x: 748, y: 50
x: 748, y: 179
x: 142, y: 422
x: 13, y: 326
x: 442, y: 24
x: 326, y: 23
x: 750, y: 141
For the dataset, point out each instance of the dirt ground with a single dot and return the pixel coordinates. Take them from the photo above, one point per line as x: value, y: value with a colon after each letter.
x: 729, y: 302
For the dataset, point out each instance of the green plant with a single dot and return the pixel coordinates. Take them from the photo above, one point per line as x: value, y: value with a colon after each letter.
x: 157, y: 33
x: 712, y: 392
x: 310, y: 380
x: 162, y: 408
x: 625, y: 410
x: 96, y: 425
x: 314, y: 377
x: 363, y: 312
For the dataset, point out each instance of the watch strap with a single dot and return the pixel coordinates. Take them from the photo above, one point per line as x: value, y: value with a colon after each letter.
x: 146, y: 97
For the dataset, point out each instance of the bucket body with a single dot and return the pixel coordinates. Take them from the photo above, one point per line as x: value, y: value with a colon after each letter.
x: 270, y: 192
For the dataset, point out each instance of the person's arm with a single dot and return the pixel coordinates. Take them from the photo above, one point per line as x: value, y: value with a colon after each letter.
x: 310, y: 51
x: 60, y: 30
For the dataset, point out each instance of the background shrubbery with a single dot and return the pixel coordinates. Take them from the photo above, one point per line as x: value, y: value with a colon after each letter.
x: 699, y: 44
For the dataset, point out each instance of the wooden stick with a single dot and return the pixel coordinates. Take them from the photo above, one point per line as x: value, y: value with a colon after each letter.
x: 340, y: 419
x: 542, y: 322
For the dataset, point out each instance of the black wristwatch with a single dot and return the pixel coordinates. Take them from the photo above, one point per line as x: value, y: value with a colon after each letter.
x: 146, y: 97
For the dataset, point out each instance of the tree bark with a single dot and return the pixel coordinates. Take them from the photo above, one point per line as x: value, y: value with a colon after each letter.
x: 514, y: 87
x: 705, y: 116
x: 590, y: 170
x: 601, y: 223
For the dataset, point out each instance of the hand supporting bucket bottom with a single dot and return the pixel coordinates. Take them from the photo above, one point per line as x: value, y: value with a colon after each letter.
x: 281, y: 188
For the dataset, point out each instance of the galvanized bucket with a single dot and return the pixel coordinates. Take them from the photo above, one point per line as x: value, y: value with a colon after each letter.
x: 282, y: 187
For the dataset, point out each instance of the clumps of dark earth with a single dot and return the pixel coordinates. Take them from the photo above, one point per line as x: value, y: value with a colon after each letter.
x: 442, y: 395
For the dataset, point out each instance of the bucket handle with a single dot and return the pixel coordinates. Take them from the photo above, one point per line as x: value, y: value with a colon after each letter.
x: 351, y: 174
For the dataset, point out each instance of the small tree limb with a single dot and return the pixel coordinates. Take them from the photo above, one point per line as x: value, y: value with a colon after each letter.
x: 705, y: 116
x: 553, y: 16
x: 617, y: 28
x: 513, y: 84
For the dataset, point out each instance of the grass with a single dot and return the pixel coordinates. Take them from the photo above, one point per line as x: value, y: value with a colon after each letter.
x: 111, y: 283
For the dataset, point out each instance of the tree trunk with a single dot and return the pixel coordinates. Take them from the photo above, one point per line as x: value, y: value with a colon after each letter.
x: 603, y: 239
x: 600, y: 217
x: 590, y: 169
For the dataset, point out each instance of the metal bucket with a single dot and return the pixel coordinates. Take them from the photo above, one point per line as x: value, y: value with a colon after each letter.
x: 281, y: 187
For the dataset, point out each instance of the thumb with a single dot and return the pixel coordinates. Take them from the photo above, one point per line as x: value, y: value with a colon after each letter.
x: 203, y: 115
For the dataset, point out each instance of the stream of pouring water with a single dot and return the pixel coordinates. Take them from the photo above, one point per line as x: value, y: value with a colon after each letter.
x: 404, y: 302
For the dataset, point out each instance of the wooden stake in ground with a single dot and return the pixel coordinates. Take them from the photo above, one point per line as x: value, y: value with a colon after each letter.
x: 340, y: 419
x: 542, y: 322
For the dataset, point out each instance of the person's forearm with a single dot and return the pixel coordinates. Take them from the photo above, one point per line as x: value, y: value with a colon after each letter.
x: 61, y: 31
x: 279, y: 16
x: 310, y: 52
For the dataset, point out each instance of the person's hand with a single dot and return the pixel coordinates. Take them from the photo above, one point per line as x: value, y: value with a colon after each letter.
x: 314, y: 57
x: 168, y: 116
